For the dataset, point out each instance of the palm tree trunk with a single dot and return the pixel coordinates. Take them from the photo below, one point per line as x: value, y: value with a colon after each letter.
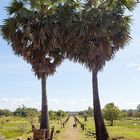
x: 101, y: 131
x: 44, y: 111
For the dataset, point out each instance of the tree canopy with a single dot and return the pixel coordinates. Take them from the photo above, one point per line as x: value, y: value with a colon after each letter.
x: 23, y: 111
x: 30, y: 29
x: 100, y: 29
x: 111, y: 113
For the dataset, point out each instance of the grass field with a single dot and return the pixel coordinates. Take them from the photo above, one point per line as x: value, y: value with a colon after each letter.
x: 129, y: 129
x: 14, y: 127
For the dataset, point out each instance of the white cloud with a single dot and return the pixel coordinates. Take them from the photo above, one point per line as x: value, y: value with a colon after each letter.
x: 136, y: 66
x: 17, y: 101
x: 5, y: 99
x: 53, y: 100
x: 13, y: 103
x: 57, y: 104
x: 69, y: 105
x: 129, y: 105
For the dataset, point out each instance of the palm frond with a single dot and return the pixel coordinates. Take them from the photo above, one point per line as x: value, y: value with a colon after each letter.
x: 94, y: 38
x: 31, y: 30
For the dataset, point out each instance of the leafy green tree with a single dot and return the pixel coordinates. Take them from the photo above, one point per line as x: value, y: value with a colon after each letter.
x: 5, y: 112
x: 89, y: 112
x: 94, y: 36
x: 81, y: 113
x: 137, y: 115
x: 60, y: 114
x: 124, y: 114
x: 1, y: 112
x: 52, y: 115
x: 20, y: 111
x: 86, y: 113
x: 111, y: 113
x: 30, y: 30
x: 25, y: 112
x: 130, y: 113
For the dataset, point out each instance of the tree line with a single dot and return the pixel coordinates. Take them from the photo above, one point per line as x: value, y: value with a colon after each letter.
x: 23, y: 111
x: 111, y: 113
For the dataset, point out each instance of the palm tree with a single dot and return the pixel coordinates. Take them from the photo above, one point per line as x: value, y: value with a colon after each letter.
x: 101, y: 29
x: 31, y: 31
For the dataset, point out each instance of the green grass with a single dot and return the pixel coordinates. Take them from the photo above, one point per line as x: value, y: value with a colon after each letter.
x: 13, y: 126
x: 129, y: 129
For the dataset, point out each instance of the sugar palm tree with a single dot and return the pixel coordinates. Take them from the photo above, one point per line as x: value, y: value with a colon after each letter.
x: 30, y: 30
x: 101, y: 29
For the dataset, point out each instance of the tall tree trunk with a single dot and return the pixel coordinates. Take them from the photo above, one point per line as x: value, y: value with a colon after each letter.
x: 101, y: 131
x: 44, y: 111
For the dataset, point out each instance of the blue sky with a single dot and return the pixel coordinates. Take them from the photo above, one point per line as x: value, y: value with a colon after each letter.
x: 70, y: 88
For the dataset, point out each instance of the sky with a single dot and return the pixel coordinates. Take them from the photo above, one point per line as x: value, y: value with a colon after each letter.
x: 70, y: 89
